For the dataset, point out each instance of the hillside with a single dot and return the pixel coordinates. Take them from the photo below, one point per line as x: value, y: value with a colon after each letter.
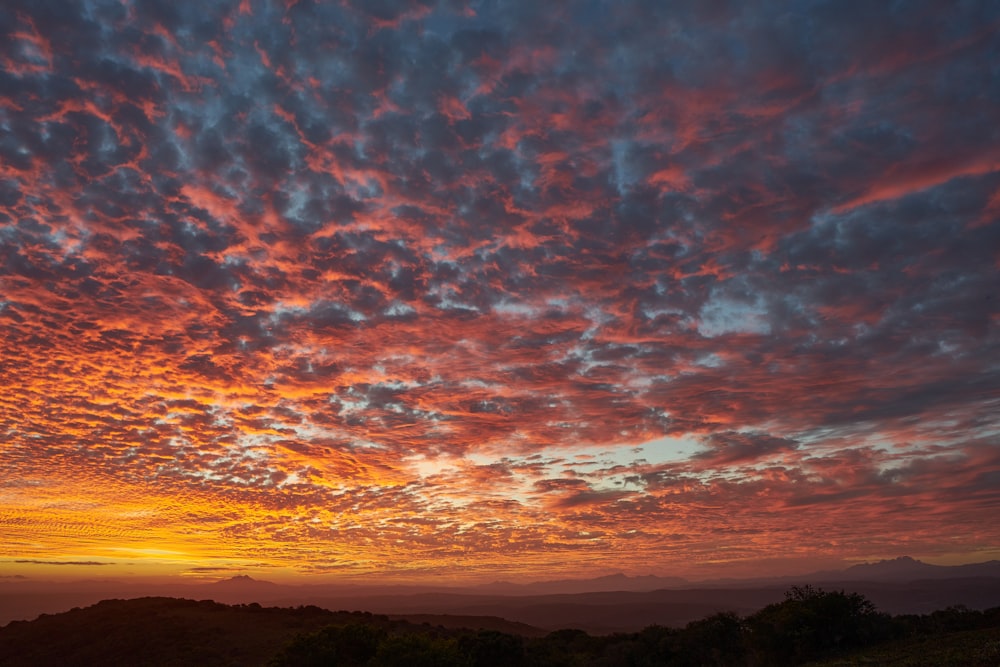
x: 809, y: 627
x: 605, y: 604
x: 169, y: 631
x: 968, y: 648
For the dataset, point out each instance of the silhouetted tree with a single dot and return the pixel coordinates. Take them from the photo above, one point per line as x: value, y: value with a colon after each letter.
x: 812, y: 623
x: 563, y: 648
x: 417, y: 650
x: 714, y: 641
x: 490, y: 648
x: 653, y: 646
x: 350, y: 645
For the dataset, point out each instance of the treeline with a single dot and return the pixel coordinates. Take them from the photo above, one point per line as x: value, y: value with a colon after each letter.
x: 809, y: 625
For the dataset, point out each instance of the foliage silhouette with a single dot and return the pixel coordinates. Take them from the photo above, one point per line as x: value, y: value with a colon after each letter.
x: 810, y: 624
x: 490, y: 648
x: 417, y: 650
x: 349, y: 645
x: 715, y: 641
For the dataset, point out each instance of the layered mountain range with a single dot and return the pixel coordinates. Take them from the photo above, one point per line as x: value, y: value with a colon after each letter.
x: 607, y: 603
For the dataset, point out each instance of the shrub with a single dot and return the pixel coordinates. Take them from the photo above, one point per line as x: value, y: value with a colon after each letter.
x: 490, y: 648
x: 812, y: 623
x: 349, y: 645
x: 715, y: 641
x: 417, y: 650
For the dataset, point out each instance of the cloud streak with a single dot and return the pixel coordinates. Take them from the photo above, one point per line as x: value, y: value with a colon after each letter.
x: 63, y: 562
x: 439, y: 287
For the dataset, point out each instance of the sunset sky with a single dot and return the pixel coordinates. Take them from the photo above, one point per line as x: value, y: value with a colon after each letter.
x: 446, y: 290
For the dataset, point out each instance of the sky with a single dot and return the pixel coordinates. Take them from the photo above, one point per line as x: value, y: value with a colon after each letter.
x: 434, y: 290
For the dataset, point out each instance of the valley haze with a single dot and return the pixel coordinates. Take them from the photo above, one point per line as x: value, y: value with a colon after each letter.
x: 614, y: 603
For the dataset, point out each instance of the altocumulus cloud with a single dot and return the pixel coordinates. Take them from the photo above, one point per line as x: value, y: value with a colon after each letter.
x: 440, y: 286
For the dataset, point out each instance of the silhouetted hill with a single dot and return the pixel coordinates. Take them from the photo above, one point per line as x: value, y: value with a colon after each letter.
x: 243, y: 589
x: 169, y: 631
x: 600, y: 612
x: 969, y: 648
x: 612, y: 603
x: 900, y: 569
x: 896, y: 570
x: 454, y: 622
x: 156, y: 631
x: 242, y: 581
x: 809, y: 624
x: 611, y: 582
x: 905, y: 568
x: 628, y: 611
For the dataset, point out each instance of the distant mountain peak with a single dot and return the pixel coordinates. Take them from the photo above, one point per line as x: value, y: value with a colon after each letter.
x: 901, y: 561
x: 243, y: 580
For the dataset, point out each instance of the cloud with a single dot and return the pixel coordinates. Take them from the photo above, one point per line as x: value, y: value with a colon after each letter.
x: 66, y: 562
x: 736, y: 448
x: 202, y: 570
x: 367, y: 278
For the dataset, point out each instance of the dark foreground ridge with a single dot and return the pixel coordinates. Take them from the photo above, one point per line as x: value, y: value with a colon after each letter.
x: 811, y: 626
x: 172, y: 631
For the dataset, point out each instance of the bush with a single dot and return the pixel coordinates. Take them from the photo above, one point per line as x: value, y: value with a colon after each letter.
x: 349, y: 645
x: 812, y: 623
x: 490, y: 648
x: 715, y: 641
x: 417, y: 650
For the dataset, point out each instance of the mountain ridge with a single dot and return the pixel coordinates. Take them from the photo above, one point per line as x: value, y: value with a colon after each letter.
x: 899, y: 569
x: 24, y: 599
